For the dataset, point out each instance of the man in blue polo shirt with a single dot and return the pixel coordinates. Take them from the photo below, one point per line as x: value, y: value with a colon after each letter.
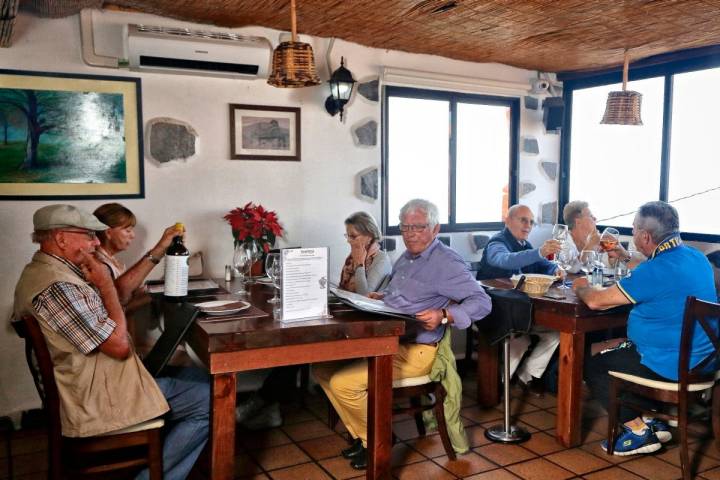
x: 657, y: 289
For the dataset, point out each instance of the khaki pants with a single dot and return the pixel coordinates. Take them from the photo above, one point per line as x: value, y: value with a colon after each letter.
x: 346, y: 383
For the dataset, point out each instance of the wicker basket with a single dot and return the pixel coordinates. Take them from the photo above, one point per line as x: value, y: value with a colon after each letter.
x: 293, y: 66
x: 535, y: 283
x: 623, y: 108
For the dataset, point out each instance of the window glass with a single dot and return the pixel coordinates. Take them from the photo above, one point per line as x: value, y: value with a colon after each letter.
x: 694, y: 159
x: 616, y: 168
x: 483, y: 159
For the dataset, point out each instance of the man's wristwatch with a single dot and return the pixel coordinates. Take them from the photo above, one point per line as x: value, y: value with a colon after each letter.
x: 444, y: 320
x: 152, y: 258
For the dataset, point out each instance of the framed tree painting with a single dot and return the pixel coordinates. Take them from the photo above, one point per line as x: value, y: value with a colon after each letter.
x: 264, y: 133
x: 70, y: 136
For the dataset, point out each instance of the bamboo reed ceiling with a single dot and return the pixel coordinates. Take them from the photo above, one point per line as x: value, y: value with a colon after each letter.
x: 546, y: 35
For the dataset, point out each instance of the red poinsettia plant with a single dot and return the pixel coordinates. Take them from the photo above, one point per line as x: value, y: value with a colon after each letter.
x: 253, y: 224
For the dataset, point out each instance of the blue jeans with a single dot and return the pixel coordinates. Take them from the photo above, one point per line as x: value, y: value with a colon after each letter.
x: 187, y: 424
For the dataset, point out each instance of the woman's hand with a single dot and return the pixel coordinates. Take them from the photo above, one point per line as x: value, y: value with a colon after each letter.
x: 358, y: 253
x: 376, y: 295
x: 166, y: 239
x: 593, y: 240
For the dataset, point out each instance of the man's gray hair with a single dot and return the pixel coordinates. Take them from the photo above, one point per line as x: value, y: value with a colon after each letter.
x: 573, y: 211
x: 39, y: 236
x: 421, y: 205
x: 659, y: 219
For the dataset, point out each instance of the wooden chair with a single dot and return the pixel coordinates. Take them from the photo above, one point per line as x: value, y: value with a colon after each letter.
x: 413, y: 389
x: 72, y: 457
x: 692, y: 381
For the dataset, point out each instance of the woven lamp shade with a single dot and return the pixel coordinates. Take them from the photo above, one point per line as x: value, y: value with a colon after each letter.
x: 293, y: 66
x: 623, y: 108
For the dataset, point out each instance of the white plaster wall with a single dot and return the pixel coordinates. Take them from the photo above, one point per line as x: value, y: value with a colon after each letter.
x: 311, y: 197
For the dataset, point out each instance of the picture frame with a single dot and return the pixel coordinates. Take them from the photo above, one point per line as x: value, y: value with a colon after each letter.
x: 260, y: 132
x: 70, y: 136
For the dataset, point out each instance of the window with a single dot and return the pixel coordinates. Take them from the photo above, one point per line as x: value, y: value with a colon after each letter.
x: 457, y: 150
x: 671, y: 157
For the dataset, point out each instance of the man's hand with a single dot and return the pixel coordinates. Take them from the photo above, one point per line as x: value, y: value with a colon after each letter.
x: 550, y: 247
x: 95, y: 272
x: 618, y: 252
x: 376, y: 295
x: 429, y: 318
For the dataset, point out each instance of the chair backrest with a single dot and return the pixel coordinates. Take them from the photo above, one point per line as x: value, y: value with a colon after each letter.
x: 705, y: 315
x: 49, y: 392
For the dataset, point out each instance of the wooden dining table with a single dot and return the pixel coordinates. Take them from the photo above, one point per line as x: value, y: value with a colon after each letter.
x: 573, y: 319
x: 237, y: 343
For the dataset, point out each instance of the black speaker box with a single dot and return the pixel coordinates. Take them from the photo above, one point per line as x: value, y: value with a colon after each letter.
x: 553, y: 112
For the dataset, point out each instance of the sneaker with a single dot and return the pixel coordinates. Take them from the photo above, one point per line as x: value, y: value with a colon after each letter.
x: 267, y: 417
x: 629, y: 443
x: 661, y: 429
x: 249, y: 407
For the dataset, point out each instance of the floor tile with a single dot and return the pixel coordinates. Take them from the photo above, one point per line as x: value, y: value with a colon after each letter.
x: 713, y: 474
x: 504, y: 454
x: 649, y: 466
x: 518, y: 406
x: 465, y: 465
x: 613, y: 473
x: 539, y: 469
x: 296, y: 414
x: 699, y: 461
x: 339, y: 468
x: 426, y: 470
x: 405, y: 430
x: 597, y: 450
x: 481, y: 415
x: 546, y: 401
x: 307, y: 430
x: 263, y: 439
x: 279, y: 457
x: 499, y: 474
x: 476, y: 436
x: 430, y: 445
x: 596, y: 424
x: 542, y: 443
x: 403, y: 454
x: 541, y: 420
x: 307, y: 471
x: 324, y: 447
x: 245, y: 466
x: 578, y: 461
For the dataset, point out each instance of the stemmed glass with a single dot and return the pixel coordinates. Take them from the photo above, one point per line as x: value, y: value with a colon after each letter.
x: 588, y: 260
x: 241, y: 260
x: 564, y: 260
x: 609, y: 239
x: 254, y: 254
x: 559, y: 233
x: 273, y: 268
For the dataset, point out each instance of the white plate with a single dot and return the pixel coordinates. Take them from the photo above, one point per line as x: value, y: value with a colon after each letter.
x: 223, y: 307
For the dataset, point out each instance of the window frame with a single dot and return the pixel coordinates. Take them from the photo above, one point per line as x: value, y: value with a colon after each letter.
x: 513, y: 103
x: 661, y: 66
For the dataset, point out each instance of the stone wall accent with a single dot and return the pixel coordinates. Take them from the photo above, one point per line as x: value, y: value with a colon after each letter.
x: 367, y: 184
x: 548, y: 212
x: 530, y: 145
x: 526, y: 187
x: 169, y: 139
x: 531, y: 103
x: 370, y: 90
x: 365, y: 133
x: 550, y: 169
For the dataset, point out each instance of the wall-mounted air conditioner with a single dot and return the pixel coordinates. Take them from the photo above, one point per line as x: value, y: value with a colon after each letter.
x: 193, y: 52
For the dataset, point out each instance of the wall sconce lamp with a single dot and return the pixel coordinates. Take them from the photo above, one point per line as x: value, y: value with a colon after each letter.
x: 341, y: 86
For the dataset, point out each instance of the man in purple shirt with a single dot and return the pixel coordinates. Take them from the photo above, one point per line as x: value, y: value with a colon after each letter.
x: 433, y: 283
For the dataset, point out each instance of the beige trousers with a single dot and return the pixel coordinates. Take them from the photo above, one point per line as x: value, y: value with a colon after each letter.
x: 346, y: 383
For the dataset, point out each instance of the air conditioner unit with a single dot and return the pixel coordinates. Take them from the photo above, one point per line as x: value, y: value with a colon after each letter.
x: 193, y: 52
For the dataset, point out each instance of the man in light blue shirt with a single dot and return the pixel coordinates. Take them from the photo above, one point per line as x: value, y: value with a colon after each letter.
x: 433, y: 283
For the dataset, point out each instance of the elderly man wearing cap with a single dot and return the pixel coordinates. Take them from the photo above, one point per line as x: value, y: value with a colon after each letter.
x: 103, y: 385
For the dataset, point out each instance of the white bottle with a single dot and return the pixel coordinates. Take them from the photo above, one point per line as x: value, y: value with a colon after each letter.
x: 177, y: 268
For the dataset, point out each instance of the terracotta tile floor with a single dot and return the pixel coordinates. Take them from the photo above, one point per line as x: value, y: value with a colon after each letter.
x: 304, y: 448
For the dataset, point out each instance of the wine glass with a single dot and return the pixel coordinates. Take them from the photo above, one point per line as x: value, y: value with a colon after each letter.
x: 273, y: 268
x: 254, y: 254
x: 240, y: 262
x: 609, y: 239
x: 559, y: 233
x: 588, y: 260
x: 564, y: 260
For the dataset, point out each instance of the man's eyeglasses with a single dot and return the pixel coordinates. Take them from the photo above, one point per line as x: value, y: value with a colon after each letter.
x: 91, y: 235
x: 526, y: 221
x: 412, y: 228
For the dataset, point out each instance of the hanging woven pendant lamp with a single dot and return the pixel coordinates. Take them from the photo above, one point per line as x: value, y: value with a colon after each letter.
x: 623, y: 108
x: 293, y: 63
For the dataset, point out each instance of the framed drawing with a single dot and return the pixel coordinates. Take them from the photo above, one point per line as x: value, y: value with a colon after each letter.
x: 65, y: 136
x: 264, y: 133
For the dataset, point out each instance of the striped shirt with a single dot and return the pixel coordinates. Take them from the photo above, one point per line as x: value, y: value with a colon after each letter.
x: 76, y: 312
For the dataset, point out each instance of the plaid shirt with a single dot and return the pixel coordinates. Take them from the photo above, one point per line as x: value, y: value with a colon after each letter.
x: 76, y: 312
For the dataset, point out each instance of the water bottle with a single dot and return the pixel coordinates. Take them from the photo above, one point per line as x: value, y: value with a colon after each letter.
x: 597, y: 276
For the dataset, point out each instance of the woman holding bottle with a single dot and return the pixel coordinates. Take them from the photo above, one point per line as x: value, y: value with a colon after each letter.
x: 117, y: 238
x: 366, y: 266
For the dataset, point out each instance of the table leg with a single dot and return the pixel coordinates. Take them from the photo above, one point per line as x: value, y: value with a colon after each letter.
x: 379, y: 416
x: 488, y: 373
x: 222, y: 427
x: 569, y: 399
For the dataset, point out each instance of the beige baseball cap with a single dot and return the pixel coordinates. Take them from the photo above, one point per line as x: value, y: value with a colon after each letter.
x: 59, y: 216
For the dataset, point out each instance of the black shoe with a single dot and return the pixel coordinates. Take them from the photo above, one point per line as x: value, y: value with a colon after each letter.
x: 354, y: 450
x: 359, y: 461
x: 534, y: 387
